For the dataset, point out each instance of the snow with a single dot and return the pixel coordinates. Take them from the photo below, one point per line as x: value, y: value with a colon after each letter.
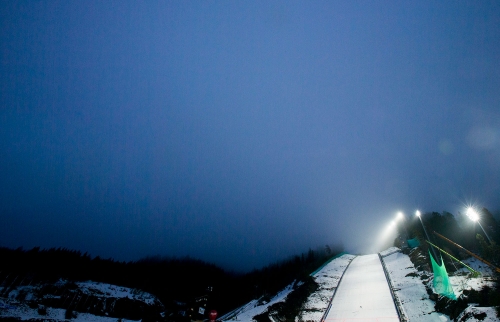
x: 462, y: 280
x: 363, y: 293
x: 114, y: 291
x: 407, y: 282
x: 389, y: 251
x: 328, y: 279
x: 478, y: 266
x: 408, y: 285
x: 409, y: 289
x: 10, y: 307
x: 461, y: 283
x: 26, y: 313
x: 253, y: 308
x: 489, y: 314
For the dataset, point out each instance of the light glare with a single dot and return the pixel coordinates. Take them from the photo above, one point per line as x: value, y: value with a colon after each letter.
x: 472, y: 214
x: 417, y: 213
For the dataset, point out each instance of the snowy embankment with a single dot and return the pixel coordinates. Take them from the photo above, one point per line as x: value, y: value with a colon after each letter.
x: 256, y: 307
x: 24, y: 313
x: 476, y: 314
x: 81, y: 301
x: 410, y: 291
x: 114, y: 291
x: 327, y: 277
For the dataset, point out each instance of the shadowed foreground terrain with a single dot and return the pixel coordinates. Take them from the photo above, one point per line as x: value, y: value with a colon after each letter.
x: 55, y: 278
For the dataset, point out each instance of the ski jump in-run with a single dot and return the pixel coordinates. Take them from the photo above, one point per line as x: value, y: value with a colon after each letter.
x: 363, y: 294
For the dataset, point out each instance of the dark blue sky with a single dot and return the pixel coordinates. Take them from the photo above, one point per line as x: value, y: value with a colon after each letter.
x: 241, y: 132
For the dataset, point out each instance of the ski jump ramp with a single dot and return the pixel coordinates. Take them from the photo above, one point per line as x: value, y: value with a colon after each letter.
x: 363, y: 294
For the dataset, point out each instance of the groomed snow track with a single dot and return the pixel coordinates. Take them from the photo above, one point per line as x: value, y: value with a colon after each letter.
x: 363, y: 294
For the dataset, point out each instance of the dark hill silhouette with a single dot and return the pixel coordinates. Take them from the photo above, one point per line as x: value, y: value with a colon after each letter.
x: 172, y: 280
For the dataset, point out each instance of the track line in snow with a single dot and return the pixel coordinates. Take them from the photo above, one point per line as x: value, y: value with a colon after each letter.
x: 363, y: 295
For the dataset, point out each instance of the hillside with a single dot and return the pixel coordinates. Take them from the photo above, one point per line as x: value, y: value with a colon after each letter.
x: 89, y: 301
x: 412, y: 290
x: 306, y: 300
x: 55, y: 283
x: 58, y: 284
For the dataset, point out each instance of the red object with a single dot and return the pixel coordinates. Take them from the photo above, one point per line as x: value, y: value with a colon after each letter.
x: 213, y: 315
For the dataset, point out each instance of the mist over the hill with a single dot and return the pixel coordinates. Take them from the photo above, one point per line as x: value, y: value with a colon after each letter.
x: 242, y: 133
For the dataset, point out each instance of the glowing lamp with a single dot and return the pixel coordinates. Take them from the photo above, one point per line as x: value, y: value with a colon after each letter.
x: 472, y: 214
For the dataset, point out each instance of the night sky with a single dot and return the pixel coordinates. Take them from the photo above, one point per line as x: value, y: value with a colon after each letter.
x: 242, y: 132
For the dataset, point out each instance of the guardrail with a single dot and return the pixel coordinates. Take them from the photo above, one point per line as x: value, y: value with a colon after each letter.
x: 397, y: 303
x: 335, y: 292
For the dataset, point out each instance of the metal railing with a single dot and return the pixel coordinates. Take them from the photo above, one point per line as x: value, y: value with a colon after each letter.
x: 397, y: 303
x: 335, y: 292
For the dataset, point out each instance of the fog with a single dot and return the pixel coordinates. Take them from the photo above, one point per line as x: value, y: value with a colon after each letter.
x: 242, y: 133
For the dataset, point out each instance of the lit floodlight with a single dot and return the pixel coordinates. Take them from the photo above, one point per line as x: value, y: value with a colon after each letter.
x: 417, y: 213
x: 472, y: 214
x: 385, y: 236
x: 401, y: 217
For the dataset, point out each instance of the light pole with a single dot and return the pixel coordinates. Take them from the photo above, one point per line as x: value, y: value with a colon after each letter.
x: 418, y: 214
x: 401, y: 216
x: 474, y: 216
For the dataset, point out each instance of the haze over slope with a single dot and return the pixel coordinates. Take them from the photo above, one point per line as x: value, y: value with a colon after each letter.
x: 241, y: 133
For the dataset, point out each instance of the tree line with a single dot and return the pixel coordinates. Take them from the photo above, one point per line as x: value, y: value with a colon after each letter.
x: 172, y: 280
x: 481, y: 237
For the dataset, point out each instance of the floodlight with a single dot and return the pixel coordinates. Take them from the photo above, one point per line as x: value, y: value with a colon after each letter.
x: 417, y: 213
x: 472, y: 214
x: 401, y: 216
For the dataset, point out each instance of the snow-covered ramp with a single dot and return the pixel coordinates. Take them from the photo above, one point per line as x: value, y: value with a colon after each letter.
x: 363, y: 295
